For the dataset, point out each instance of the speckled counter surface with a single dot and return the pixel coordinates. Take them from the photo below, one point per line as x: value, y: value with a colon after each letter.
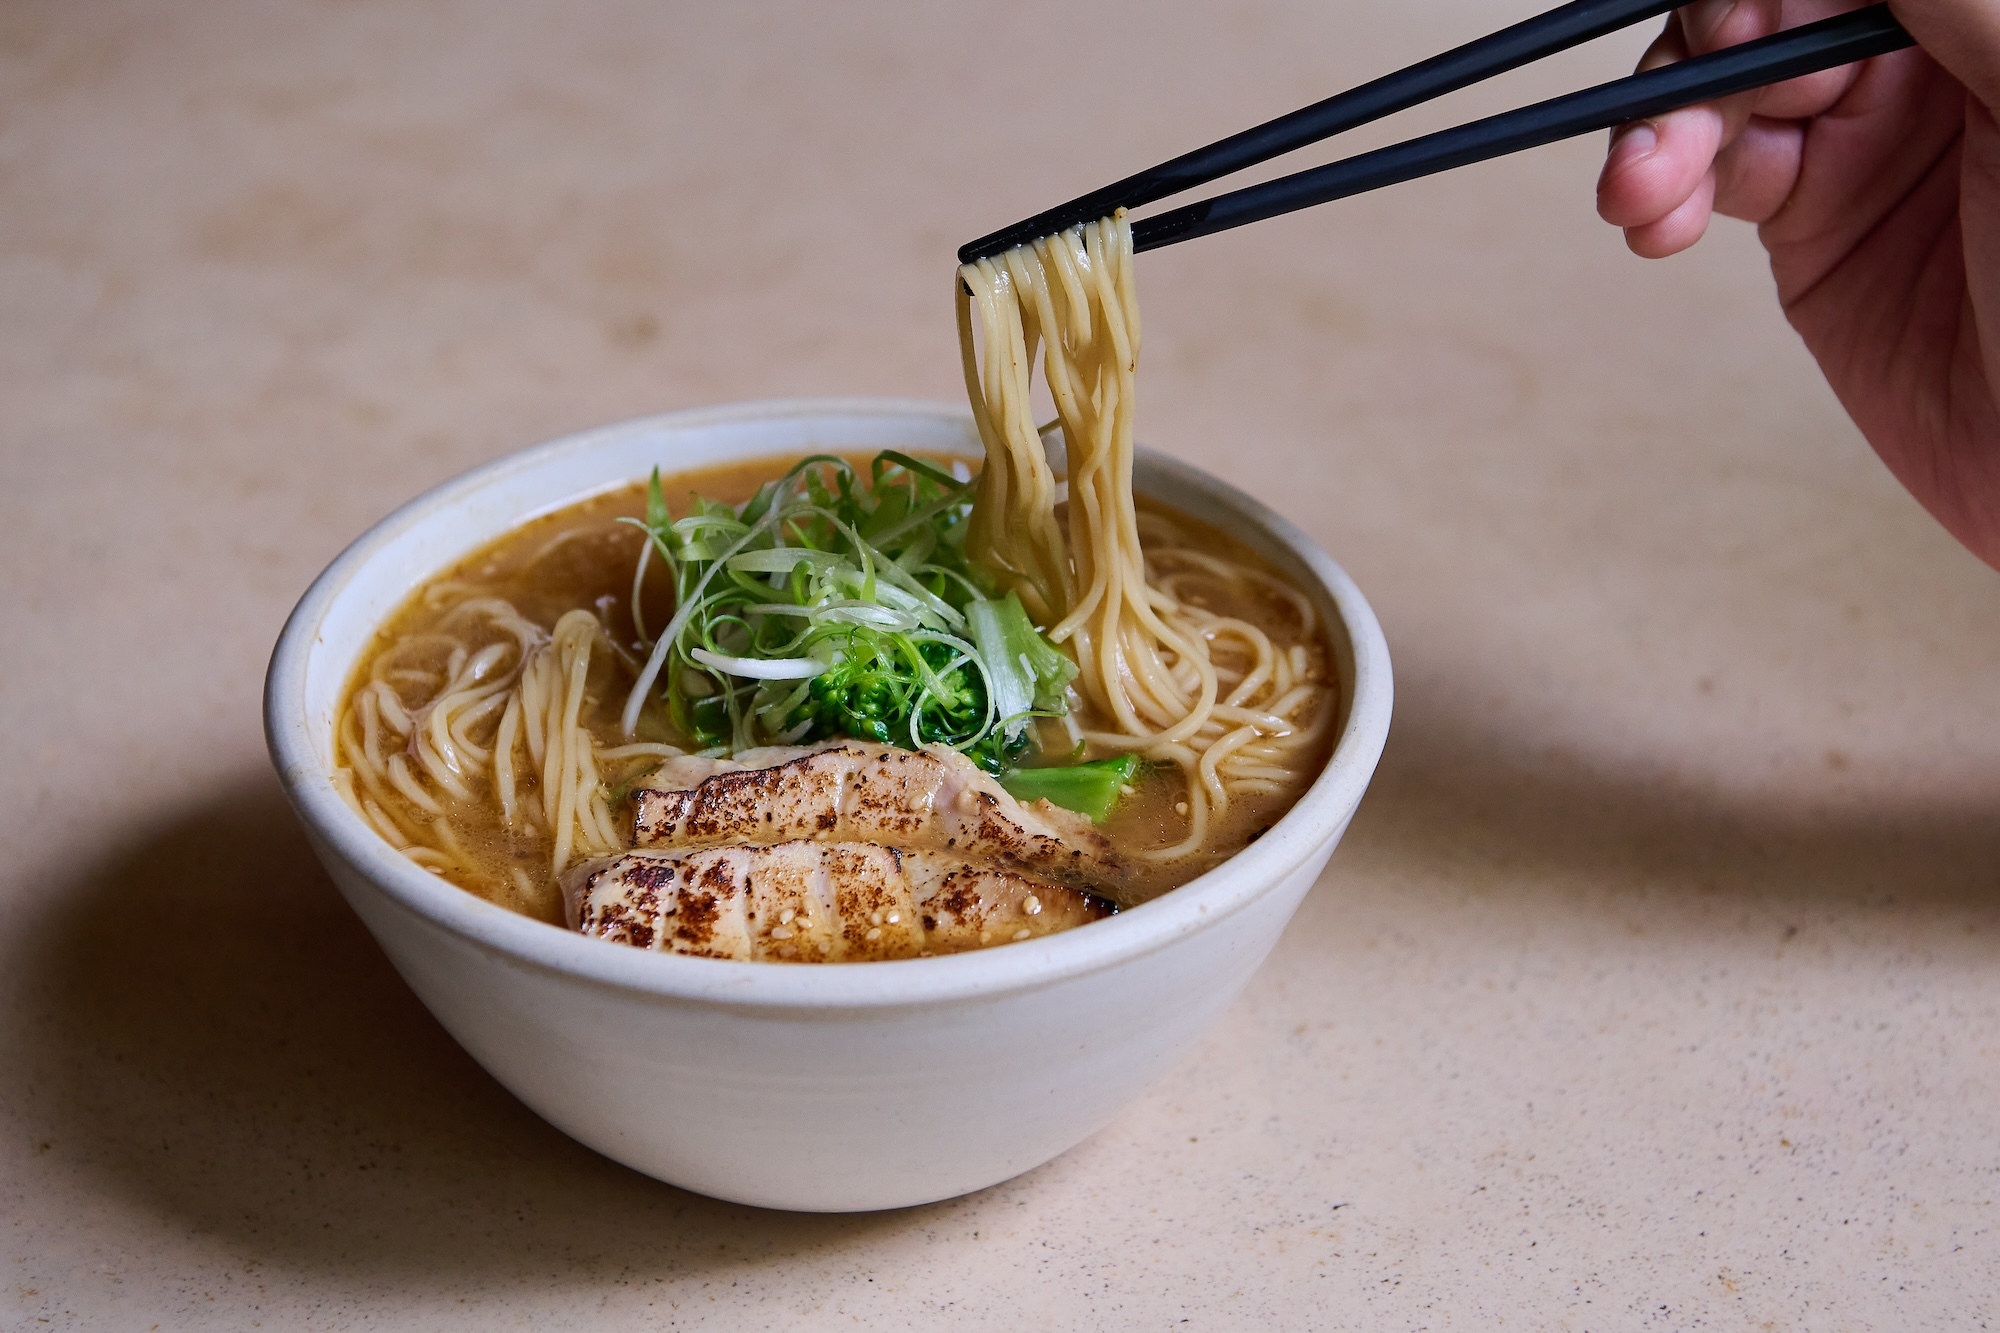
x: 1656, y: 985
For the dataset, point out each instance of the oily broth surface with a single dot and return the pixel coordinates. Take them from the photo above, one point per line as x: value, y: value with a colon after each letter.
x: 582, y: 556
x: 1152, y: 814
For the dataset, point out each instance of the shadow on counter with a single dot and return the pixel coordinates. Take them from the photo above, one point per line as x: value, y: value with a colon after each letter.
x: 1462, y: 802
x: 212, y: 1034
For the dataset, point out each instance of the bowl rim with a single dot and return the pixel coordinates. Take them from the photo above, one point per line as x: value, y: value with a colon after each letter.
x: 1316, y: 818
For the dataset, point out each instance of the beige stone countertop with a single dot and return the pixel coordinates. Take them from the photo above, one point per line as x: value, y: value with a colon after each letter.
x: 1655, y: 986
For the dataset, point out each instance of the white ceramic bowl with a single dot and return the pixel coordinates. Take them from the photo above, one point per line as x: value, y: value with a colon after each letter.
x: 825, y: 1088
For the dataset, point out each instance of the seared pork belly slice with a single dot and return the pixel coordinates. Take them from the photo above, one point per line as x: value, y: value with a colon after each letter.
x: 690, y: 770
x: 933, y: 799
x: 794, y: 901
x: 964, y: 905
x: 808, y: 901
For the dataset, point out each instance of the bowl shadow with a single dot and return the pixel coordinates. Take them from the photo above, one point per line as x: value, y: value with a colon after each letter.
x: 1481, y: 810
x: 212, y: 1034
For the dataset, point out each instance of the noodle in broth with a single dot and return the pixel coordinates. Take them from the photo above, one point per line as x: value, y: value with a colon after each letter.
x: 1178, y: 683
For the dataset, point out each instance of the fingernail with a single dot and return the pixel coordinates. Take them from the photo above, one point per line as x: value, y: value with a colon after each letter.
x: 1629, y: 143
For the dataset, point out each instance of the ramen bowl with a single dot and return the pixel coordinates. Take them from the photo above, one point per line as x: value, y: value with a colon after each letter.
x: 832, y: 1087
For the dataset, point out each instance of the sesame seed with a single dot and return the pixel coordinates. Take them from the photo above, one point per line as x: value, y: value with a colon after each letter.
x: 894, y: 917
x: 1180, y: 807
x: 875, y: 933
x: 781, y: 932
x: 876, y: 916
x: 785, y: 917
x: 1022, y: 934
x: 826, y: 946
x: 1032, y: 906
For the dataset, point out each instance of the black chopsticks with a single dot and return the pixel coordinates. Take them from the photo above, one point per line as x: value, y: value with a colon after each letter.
x: 1848, y: 37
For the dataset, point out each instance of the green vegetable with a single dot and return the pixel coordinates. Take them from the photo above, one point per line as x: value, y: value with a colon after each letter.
x: 1025, y: 673
x: 833, y: 605
x: 1089, y: 789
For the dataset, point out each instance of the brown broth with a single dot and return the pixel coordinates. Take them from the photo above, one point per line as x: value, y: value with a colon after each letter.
x: 582, y: 556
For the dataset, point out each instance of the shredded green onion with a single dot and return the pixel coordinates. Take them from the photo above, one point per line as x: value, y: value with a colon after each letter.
x: 835, y: 605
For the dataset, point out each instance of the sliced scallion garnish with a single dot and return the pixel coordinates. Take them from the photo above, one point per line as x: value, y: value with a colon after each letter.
x: 833, y: 605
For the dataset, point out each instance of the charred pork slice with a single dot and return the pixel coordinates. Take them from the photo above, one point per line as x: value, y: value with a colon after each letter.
x: 811, y: 902
x: 916, y: 800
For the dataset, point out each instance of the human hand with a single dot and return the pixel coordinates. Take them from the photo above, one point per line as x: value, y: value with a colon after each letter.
x: 1876, y: 191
